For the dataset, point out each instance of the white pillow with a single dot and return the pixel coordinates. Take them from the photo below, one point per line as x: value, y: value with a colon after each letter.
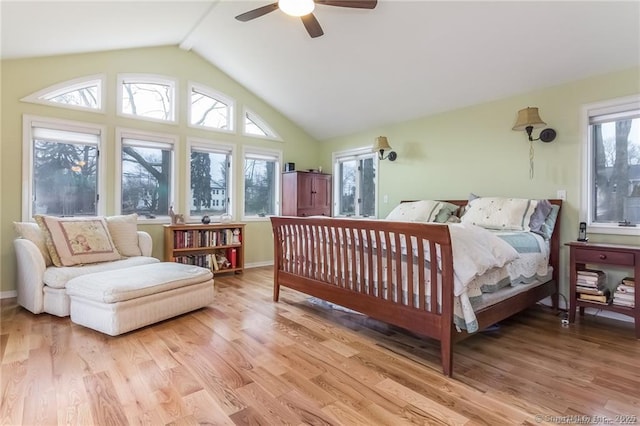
x: 415, y: 211
x: 512, y: 214
x: 32, y: 232
x: 124, y: 232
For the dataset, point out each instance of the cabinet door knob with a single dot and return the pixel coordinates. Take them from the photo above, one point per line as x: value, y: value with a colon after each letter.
x: 603, y: 256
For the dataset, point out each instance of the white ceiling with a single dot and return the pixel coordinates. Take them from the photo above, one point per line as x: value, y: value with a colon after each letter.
x: 401, y: 60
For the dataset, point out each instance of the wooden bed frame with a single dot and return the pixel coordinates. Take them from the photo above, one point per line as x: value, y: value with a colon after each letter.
x: 316, y: 256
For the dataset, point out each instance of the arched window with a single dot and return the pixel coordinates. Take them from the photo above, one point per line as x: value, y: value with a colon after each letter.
x: 83, y: 93
x: 147, y: 97
x: 209, y: 109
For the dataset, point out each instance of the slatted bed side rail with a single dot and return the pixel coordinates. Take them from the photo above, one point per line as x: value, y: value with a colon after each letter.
x: 382, y: 269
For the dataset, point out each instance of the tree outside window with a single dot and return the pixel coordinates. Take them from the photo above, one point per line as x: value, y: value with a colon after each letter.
x: 209, y: 182
x: 146, y: 179
x: 616, y: 159
x: 64, y: 178
x: 260, y: 185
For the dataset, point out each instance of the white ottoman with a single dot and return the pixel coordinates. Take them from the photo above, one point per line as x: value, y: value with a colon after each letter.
x: 114, y: 302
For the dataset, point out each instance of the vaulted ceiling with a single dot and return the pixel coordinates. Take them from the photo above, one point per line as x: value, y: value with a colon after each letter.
x: 401, y: 60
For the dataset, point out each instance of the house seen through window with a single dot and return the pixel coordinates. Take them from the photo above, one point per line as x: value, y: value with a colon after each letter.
x: 210, y: 180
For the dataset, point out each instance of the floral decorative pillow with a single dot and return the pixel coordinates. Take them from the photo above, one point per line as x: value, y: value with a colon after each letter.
x: 512, y: 214
x: 415, y: 211
x: 74, y: 241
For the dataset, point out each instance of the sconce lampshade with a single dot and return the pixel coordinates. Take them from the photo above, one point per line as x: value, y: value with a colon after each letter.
x: 382, y: 144
x: 528, y: 117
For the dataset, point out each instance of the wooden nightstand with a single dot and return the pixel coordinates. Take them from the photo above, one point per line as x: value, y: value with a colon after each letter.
x: 581, y: 254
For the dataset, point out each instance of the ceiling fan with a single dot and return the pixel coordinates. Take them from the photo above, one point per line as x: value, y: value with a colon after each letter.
x: 304, y: 9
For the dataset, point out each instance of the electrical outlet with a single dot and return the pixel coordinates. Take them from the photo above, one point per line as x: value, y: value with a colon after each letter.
x: 385, y: 198
x: 562, y: 194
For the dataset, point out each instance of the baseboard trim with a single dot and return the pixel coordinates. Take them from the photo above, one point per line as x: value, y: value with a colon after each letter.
x: 258, y: 264
x: 8, y: 294
x: 591, y: 311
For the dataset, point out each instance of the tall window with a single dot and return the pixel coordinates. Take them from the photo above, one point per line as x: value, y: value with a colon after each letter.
x: 355, y: 183
x: 62, y: 168
x: 146, y: 173
x: 147, y: 97
x: 261, y: 183
x: 209, y: 109
x: 210, y: 179
x: 612, y: 172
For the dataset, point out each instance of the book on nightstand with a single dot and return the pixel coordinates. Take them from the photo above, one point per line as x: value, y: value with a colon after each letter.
x: 625, y: 294
x: 604, y: 298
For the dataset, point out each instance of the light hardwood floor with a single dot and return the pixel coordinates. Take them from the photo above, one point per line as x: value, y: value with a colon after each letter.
x: 247, y: 360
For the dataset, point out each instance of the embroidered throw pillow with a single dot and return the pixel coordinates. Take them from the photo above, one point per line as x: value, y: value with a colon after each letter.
x: 512, y: 214
x: 75, y: 241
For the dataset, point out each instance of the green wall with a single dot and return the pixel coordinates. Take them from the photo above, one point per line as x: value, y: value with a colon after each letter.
x: 474, y: 150
x: 444, y: 156
x: 23, y: 77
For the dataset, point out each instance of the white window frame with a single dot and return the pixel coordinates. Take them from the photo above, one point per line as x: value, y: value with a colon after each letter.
x: 40, y: 96
x: 148, y: 79
x: 160, y: 139
x: 30, y: 121
x: 586, y: 197
x: 272, y: 153
x: 208, y: 91
x: 261, y: 123
x: 210, y: 146
x: 353, y: 154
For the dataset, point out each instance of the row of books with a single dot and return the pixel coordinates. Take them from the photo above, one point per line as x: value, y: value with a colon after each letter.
x: 196, y: 238
x: 222, y: 259
x: 625, y: 293
x: 591, y: 286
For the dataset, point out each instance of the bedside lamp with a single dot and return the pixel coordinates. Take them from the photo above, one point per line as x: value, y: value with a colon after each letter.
x: 529, y: 119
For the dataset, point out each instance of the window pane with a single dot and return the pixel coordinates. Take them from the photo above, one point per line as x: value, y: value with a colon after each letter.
x: 260, y: 185
x: 209, y: 183
x: 65, y: 178
x: 146, y: 180
x: 252, y: 128
x: 367, y: 187
x: 347, y: 171
x: 616, y: 184
x: 209, y: 112
x: 87, y: 97
x: 150, y: 100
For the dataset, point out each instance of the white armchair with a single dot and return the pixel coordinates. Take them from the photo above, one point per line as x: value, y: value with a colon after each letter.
x: 41, y: 288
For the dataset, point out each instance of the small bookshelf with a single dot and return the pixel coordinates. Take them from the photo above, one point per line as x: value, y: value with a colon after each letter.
x: 216, y: 246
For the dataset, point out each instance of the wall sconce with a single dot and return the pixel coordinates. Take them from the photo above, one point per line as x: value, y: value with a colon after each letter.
x: 382, y: 145
x: 529, y: 119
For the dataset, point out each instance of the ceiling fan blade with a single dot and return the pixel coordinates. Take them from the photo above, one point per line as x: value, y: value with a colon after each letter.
x: 358, y: 4
x: 312, y: 25
x: 256, y: 13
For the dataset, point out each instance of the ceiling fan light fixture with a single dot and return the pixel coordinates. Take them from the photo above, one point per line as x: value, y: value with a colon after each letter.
x: 296, y: 7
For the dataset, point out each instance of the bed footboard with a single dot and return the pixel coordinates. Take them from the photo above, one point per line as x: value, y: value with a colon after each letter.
x: 381, y: 269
